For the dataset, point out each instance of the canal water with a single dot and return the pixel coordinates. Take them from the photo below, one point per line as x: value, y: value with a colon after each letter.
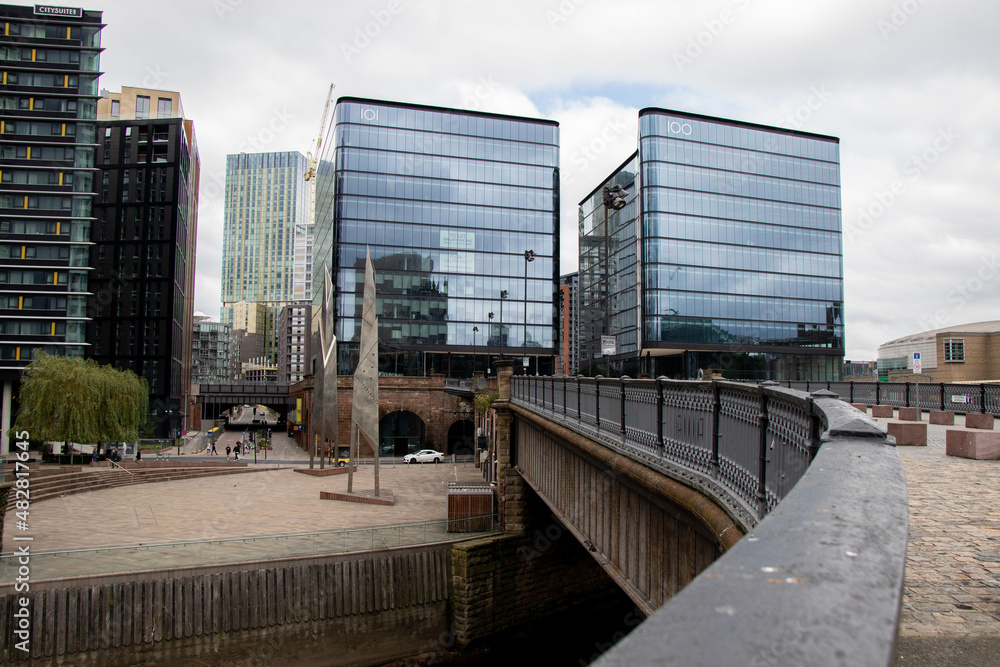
x: 573, y: 639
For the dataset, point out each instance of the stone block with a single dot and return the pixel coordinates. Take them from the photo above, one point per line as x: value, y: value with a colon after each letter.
x: 861, y: 406
x: 909, y: 414
x: 942, y: 417
x: 973, y: 420
x: 972, y: 444
x: 908, y: 433
x: 883, y: 411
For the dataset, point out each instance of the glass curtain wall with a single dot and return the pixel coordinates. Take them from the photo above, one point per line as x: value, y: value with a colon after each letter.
x: 451, y: 204
x: 741, y: 228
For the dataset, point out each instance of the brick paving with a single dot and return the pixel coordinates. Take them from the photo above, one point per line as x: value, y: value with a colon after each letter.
x: 952, y: 587
x: 275, y: 501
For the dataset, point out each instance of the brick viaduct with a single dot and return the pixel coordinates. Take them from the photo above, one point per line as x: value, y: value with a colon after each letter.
x: 426, y: 397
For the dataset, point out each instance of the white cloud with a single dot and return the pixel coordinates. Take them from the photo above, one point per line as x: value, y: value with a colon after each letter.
x: 891, y: 91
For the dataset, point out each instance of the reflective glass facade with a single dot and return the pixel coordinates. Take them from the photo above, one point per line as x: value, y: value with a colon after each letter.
x: 266, y: 215
x: 448, y: 202
x: 731, y: 232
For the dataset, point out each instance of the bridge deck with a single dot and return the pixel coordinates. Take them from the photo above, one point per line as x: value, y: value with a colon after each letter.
x: 953, y: 559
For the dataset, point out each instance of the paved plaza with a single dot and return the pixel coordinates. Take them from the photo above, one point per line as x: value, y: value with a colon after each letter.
x: 212, y: 511
x: 951, y: 600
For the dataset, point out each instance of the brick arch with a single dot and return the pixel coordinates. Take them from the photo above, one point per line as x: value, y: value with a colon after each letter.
x: 423, y: 424
x: 461, y: 447
x: 425, y: 397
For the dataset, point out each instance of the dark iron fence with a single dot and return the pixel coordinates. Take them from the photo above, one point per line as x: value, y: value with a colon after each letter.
x: 819, y: 580
x: 745, y: 445
x: 961, y: 398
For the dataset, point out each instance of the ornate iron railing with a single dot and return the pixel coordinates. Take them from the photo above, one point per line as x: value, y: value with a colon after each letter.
x: 744, y: 445
x: 962, y: 398
x: 819, y: 580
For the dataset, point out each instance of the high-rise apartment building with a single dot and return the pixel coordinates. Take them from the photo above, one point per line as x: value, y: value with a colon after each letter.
x: 569, y: 323
x: 144, y: 253
x: 253, y: 326
x: 210, y: 363
x: 717, y: 245
x: 49, y: 58
x: 460, y: 212
x: 266, y: 216
x: 294, y: 342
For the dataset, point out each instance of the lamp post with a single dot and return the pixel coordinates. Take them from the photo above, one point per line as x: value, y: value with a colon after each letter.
x: 529, y: 256
x: 503, y: 297
x: 490, y: 335
x: 474, y: 330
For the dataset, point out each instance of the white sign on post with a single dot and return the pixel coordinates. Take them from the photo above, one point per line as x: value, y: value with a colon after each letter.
x: 917, y: 364
x: 608, y: 346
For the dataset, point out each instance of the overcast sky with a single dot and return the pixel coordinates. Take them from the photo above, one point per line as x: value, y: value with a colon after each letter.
x: 909, y: 86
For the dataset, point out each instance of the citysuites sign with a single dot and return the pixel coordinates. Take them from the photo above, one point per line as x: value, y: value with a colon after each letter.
x: 65, y: 12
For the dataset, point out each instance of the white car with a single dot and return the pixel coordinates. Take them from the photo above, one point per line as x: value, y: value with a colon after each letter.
x: 424, y: 456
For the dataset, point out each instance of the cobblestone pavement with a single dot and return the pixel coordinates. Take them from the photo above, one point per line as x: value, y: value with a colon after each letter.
x: 951, y: 599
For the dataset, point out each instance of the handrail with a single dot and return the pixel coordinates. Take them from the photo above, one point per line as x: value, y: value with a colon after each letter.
x: 819, y: 577
x: 119, y: 466
x: 692, y: 430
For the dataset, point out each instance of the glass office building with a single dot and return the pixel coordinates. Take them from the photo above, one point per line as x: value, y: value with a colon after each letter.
x: 266, y: 215
x: 460, y: 211
x: 715, y: 247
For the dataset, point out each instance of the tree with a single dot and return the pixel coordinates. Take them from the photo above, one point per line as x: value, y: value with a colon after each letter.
x: 75, y: 400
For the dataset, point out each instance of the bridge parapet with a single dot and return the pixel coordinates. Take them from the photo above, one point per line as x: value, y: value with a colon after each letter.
x: 819, y: 577
x: 743, y: 445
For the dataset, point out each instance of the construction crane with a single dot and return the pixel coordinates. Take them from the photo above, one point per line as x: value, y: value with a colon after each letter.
x: 314, y: 158
x: 303, y: 232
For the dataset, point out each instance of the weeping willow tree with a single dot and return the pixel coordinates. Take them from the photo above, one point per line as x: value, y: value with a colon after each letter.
x: 76, y: 400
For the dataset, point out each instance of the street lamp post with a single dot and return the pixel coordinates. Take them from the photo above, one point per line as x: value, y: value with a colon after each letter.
x: 490, y: 335
x: 503, y: 297
x: 529, y: 256
x: 474, y: 330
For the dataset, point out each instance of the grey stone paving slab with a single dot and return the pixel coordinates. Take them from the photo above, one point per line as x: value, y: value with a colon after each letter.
x: 215, y: 510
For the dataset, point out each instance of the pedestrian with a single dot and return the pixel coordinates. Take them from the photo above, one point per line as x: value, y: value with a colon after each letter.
x: 228, y: 451
x: 214, y: 450
x: 138, y: 454
x: 236, y: 450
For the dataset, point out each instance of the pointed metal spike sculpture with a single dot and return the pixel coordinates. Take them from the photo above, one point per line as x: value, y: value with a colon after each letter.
x: 364, y: 408
x: 329, y: 342
x: 325, y: 410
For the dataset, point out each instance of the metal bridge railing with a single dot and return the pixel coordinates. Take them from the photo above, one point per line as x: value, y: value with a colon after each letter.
x: 819, y: 579
x: 983, y: 398
x: 745, y: 445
